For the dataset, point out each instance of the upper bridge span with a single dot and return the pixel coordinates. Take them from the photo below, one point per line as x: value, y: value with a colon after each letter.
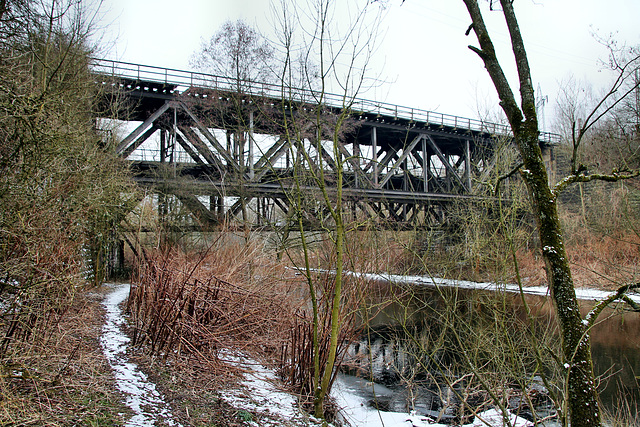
x: 221, y: 147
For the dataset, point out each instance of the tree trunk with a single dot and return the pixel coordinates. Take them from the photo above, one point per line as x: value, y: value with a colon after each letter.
x: 581, y: 397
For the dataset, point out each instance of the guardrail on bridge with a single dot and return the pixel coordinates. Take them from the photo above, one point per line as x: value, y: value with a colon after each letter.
x: 184, y: 80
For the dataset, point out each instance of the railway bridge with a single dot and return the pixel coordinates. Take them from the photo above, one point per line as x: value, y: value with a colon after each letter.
x: 230, y: 151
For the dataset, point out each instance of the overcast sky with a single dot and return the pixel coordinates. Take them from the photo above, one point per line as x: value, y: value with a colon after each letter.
x: 423, y: 55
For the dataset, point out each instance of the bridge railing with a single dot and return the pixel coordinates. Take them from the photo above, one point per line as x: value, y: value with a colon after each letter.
x: 184, y: 80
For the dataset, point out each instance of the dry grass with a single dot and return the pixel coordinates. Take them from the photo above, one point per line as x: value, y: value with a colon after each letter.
x: 601, y: 262
x: 61, y: 378
x: 192, y: 307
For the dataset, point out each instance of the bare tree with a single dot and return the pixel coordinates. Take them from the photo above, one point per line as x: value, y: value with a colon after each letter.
x: 315, y: 123
x: 581, y: 394
x: 238, y: 52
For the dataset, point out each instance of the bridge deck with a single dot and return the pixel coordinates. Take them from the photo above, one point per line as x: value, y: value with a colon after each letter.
x: 166, y: 83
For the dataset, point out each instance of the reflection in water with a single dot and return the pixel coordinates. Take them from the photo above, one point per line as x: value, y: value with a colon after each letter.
x: 615, y: 347
x: 421, y: 348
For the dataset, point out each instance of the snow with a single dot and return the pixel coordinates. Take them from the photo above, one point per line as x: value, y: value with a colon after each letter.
x: 141, y: 394
x: 260, y: 393
x: 586, y: 294
x: 358, y: 413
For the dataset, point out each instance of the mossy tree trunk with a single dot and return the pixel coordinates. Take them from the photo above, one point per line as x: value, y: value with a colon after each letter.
x: 581, y: 394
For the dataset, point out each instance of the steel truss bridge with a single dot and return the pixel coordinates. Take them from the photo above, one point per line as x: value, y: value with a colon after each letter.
x: 221, y: 147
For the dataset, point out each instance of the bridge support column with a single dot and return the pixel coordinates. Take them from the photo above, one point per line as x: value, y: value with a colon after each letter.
x: 163, y: 145
x: 356, y: 155
x: 374, y: 145
x: 426, y: 164
x: 251, y: 143
x: 467, y: 163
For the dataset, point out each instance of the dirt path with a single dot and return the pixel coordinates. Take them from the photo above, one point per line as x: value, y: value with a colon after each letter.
x: 147, y: 404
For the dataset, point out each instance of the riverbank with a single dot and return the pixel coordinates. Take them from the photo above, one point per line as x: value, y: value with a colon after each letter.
x: 86, y: 373
x: 256, y: 399
x: 74, y: 383
x: 582, y: 293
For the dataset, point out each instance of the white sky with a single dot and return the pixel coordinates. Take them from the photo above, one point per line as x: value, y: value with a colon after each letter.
x: 423, y: 55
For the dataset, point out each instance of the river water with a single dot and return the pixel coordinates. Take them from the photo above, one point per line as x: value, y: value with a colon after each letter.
x: 381, y: 353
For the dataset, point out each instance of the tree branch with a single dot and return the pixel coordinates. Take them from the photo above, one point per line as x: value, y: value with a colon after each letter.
x: 593, y: 314
x: 522, y: 63
x: 506, y: 176
x: 488, y: 55
x: 615, y: 176
x: 595, y: 115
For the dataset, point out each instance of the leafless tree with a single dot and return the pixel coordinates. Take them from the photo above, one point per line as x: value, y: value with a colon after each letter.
x: 338, y: 54
x: 581, y: 394
x: 237, y: 52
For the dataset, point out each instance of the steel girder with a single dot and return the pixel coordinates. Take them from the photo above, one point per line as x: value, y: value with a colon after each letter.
x: 396, y: 174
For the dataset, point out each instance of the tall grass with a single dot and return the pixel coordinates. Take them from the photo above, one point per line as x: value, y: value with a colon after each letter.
x: 231, y: 297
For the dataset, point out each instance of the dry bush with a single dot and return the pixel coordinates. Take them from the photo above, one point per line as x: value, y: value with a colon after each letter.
x: 600, y: 226
x: 625, y: 414
x: 602, y: 262
x: 199, y: 306
x: 195, y: 308
x: 62, y: 189
x: 531, y: 267
x: 376, y: 251
x: 41, y: 271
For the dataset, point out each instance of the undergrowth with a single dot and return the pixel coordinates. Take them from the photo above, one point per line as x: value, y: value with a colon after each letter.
x: 196, y: 307
x: 60, y: 377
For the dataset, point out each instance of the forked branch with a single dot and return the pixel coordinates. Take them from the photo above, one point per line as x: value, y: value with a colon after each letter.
x: 620, y: 294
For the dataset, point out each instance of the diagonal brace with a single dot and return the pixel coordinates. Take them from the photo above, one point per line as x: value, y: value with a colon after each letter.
x: 401, y: 159
x: 143, y: 126
x: 444, y: 160
x: 212, y: 139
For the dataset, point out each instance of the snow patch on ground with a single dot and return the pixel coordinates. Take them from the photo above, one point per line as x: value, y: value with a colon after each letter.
x: 141, y: 395
x: 261, y: 392
x: 587, y: 294
x: 357, y: 413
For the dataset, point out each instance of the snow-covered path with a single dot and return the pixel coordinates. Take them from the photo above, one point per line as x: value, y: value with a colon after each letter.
x: 141, y: 395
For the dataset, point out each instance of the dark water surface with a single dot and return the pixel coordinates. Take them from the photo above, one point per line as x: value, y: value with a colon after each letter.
x: 615, y: 343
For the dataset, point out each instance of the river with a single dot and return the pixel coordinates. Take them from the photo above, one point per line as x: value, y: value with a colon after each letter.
x: 383, y: 354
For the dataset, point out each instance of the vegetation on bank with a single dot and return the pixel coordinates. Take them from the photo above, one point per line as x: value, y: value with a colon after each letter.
x: 65, y: 196
x: 63, y: 193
